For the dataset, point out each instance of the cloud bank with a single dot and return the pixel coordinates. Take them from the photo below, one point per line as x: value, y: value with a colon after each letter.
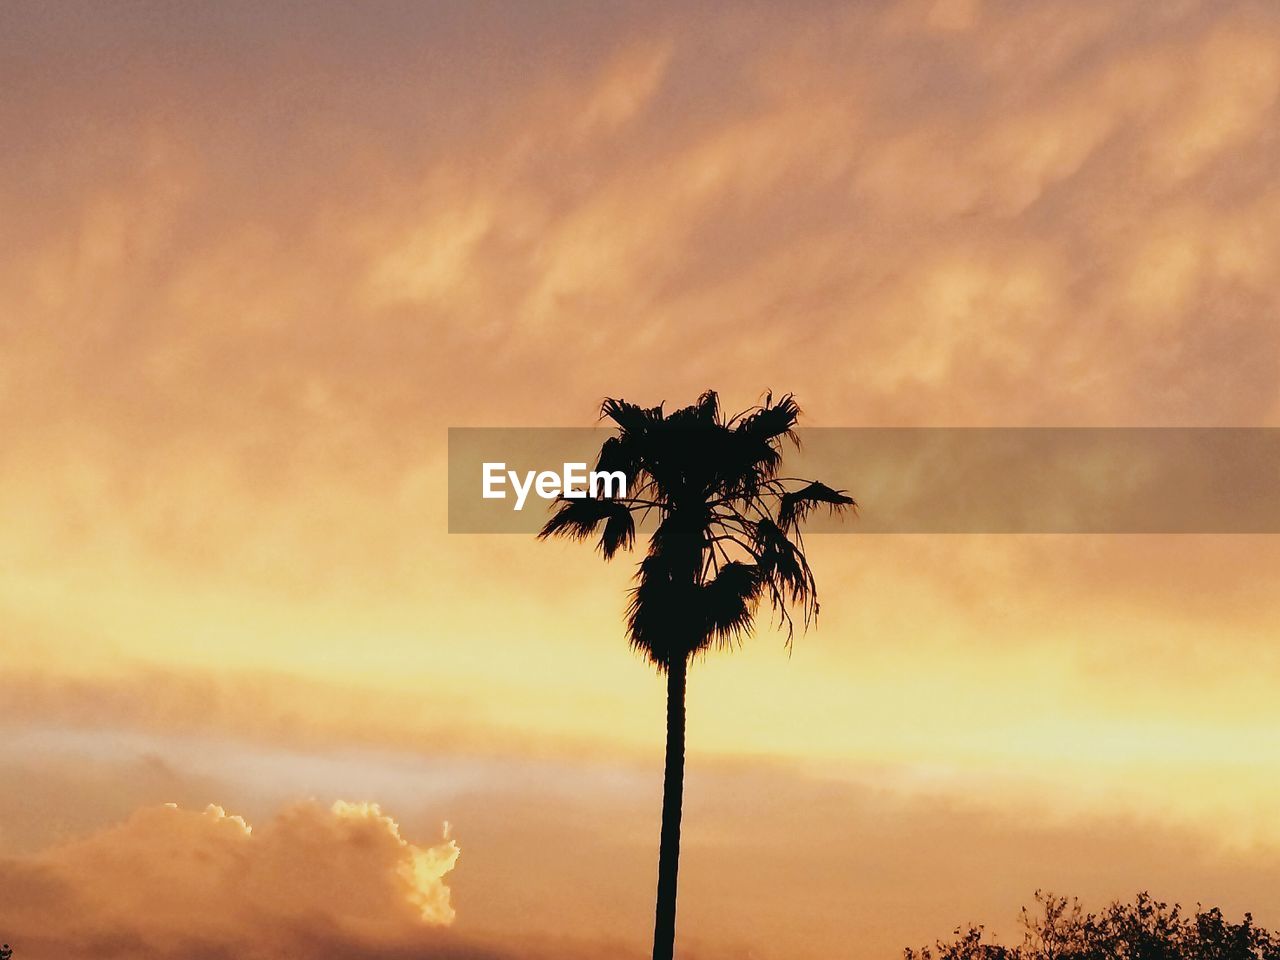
x: 170, y: 882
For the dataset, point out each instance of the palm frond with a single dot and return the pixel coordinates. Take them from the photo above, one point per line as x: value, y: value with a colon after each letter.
x: 624, y: 453
x: 772, y: 421
x: 783, y: 564
x: 745, y: 462
x: 619, y: 530
x: 578, y: 519
x: 729, y: 602
x: 796, y: 505
x: 630, y: 416
x: 659, y: 622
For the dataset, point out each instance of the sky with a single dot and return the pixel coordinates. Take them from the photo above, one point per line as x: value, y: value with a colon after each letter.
x: 258, y: 258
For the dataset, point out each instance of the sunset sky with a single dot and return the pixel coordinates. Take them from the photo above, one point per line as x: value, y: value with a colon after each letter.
x: 258, y: 258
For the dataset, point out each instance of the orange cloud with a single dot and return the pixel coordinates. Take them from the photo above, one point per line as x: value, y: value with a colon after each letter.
x: 168, y: 876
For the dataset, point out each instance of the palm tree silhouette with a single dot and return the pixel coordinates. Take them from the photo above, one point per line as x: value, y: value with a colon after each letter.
x: 726, y: 536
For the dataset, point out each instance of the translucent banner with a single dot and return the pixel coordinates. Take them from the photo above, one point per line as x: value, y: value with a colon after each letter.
x: 927, y: 480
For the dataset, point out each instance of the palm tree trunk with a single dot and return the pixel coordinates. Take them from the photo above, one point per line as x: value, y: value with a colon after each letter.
x: 664, y: 928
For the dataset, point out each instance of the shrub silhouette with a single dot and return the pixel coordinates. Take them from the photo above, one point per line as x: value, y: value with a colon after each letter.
x: 1146, y: 929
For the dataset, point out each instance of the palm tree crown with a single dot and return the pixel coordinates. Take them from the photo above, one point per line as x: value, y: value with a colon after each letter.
x: 727, y: 526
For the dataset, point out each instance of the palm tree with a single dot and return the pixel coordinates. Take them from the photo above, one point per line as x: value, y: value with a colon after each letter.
x: 726, y: 536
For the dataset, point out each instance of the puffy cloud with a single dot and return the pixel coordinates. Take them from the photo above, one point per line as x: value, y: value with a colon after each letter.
x: 169, y: 879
